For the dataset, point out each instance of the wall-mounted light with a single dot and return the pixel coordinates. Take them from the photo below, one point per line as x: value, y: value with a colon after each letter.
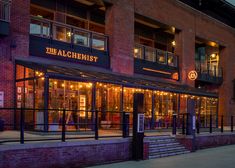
x: 213, y: 55
x: 173, y: 43
x: 136, y: 50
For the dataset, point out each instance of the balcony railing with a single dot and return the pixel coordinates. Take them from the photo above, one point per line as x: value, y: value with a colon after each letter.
x: 155, y: 55
x: 67, y: 33
x: 5, y: 10
x: 208, y: 72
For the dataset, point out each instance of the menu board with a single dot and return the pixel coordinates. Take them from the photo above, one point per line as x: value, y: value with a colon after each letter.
x: 140, y: 124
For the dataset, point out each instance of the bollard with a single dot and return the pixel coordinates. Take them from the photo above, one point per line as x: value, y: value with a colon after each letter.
x: 183, y: 126
x: 198, y: 125
x: 174, y: 124
x: 22, y: 116
x: 210, y: 123
x: 63, y: 126
x: 222, y: 123
x: 96, y: 125
x: 231, y: 123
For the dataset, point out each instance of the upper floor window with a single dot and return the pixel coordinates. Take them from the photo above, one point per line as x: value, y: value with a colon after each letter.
x: 69, y: 24
x: 5, y: 10
x: 207, y: 57
x: 155, y: 43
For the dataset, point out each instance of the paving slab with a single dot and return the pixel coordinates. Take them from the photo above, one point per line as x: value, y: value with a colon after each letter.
x: 220, y: 157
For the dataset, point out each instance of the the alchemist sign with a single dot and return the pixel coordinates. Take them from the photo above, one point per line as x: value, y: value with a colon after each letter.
x: 70, y: 54
x: 52, y: 49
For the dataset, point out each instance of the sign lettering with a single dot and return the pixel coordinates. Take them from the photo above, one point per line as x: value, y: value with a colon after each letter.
x: 71, y: 54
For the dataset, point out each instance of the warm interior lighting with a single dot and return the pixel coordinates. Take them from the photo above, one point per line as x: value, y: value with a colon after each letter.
x: 173, y: 43
x: 136, y: 50
x: 63, y: 85
x: 55, y: 82
x: 69, y: 34
x: 71, y: 86
x: 213, y: 55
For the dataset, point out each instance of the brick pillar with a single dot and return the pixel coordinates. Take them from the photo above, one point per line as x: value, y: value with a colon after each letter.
x: 226, y: 103
x: 15, y: 44
x: 186, y: 38
x: 120, y: 28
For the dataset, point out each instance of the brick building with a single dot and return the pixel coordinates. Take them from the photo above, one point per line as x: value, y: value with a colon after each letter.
x: 88, y: 55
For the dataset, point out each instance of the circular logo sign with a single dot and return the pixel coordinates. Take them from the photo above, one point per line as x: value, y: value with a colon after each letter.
x: 192, y: 75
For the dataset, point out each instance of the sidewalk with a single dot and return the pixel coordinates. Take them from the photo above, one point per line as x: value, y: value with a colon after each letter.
x: 220, y: 157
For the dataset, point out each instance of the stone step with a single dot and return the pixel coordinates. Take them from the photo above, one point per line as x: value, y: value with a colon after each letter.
x: 170, y: 149
x: 161, y: 140
x: 166, y: 148
x: 163, y: 146
x: 167, y: 154
x: 159, y: 145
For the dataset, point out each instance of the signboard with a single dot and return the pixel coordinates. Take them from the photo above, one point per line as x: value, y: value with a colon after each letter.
x: 59, y: 50
x: 192, y: 75
x: 140, y: 123
x: 1, y: 99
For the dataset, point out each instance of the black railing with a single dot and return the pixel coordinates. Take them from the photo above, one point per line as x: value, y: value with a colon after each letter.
x: 208, y: 72
x: 155, y: 55
x: 72, y: 124
x: 5, y: 10
x: 67, y: 33
x: 94, y: 125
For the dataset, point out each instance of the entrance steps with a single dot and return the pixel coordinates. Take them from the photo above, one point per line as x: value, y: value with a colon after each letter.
x: 163, y: 146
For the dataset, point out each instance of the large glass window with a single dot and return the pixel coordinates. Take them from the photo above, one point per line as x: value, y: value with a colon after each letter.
x: 73, y: 96
x: 62, y: 33
x: 81, y: 38
x: 99, y: 42
x: 138, y: 52
x: 166, y: 104
x: 161, y: 57
x: 150, y: 54
x: 108, y: 97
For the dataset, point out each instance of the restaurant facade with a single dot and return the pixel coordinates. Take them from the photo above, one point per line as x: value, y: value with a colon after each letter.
x: 86, y: 56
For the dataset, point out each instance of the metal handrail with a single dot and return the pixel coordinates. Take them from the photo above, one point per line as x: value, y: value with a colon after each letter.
x: 51, y: 24
x: 217, y: 72
x: 156, y: 51
x: 66, y: 25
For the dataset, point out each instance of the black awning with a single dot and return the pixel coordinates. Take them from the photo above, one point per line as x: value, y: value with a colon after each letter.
x: 72, y: 71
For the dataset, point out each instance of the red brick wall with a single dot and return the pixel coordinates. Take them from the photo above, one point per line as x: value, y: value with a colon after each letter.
x: 206, y: 141
x: 146, y: 150
x: 214, y: 140
x: 120, y: 28
x: 69, y: 155
x: 193, y: 23
x: 16, y: 44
